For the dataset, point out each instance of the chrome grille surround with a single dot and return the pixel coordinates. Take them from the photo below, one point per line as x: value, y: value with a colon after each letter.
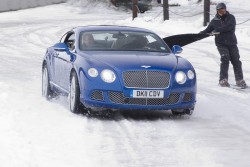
x: 118, y: 97
x: 97, y: 95
x: 146, y: 79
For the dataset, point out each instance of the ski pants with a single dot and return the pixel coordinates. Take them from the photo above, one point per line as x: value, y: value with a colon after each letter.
x: 230, y: 53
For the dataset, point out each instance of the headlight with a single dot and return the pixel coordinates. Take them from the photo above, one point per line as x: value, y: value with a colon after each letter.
x: 93, y: 72
x: 180, y: 77
x: 190, y: 74
x: 108, y: 76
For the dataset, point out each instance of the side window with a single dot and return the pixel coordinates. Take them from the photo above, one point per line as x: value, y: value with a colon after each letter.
x: 70, y: 40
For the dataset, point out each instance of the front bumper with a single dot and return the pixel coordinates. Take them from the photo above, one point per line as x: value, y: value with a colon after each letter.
x: 115, y: 100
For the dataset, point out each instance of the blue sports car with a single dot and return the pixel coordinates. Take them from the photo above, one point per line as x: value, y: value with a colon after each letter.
x: 118, y: 68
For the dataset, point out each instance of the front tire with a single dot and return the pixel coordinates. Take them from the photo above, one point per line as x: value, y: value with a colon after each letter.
x: 74, y: 94
x: 46, y: 89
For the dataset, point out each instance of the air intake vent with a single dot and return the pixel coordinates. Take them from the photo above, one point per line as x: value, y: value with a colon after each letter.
x: 118, y: 97
x: 97, y: 95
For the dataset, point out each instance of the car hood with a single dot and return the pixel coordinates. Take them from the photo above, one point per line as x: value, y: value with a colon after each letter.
x: 134, y: 60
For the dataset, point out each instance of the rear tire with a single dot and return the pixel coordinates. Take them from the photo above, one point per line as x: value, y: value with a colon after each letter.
x: 46, y: 89
x: 74, y: 94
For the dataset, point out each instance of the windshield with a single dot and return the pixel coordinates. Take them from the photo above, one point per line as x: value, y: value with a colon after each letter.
x: 121, y: 41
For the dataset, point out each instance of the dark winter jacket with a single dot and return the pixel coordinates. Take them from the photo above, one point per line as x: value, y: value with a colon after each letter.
x: 225, y: 25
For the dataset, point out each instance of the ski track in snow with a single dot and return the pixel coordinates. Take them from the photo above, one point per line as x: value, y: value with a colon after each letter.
x: 35, y: 132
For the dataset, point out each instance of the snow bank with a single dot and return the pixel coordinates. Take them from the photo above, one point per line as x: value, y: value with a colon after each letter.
x: 93, y: 6
x: 8, y: 5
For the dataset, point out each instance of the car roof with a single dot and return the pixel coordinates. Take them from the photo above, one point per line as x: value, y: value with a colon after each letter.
x: 110, y: 28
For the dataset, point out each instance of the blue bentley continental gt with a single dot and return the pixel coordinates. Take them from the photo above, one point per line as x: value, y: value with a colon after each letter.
x: 118, y: 68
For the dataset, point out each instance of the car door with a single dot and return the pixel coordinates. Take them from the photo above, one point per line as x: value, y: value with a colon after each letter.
x: 63, y: 62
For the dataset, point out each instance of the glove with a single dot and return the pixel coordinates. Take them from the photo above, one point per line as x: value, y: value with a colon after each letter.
x: 214, y: 33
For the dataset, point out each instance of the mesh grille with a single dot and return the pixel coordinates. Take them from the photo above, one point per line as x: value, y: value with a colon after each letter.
x: 146, y: 79
x: 117, y: 97
x: 97, y: 95
x: 187, y: 97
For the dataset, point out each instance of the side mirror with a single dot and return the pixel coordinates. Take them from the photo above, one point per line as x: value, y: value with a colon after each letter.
x: 61, y: 47
x: 176, y: 49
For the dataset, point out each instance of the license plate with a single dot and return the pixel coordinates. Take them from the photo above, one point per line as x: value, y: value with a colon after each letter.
x: 147, y: 93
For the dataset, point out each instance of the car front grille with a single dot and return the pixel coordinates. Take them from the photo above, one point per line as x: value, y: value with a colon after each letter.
x: 146, y: 79
x: 118, y: 97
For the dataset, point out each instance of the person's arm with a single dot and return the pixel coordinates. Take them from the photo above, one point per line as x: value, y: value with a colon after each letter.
x: 209, y: 29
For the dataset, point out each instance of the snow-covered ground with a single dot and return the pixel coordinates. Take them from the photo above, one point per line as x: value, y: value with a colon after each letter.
x: 38, y: 133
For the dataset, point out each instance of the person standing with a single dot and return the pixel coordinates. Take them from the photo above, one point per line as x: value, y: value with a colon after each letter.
x: 223, y: 27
